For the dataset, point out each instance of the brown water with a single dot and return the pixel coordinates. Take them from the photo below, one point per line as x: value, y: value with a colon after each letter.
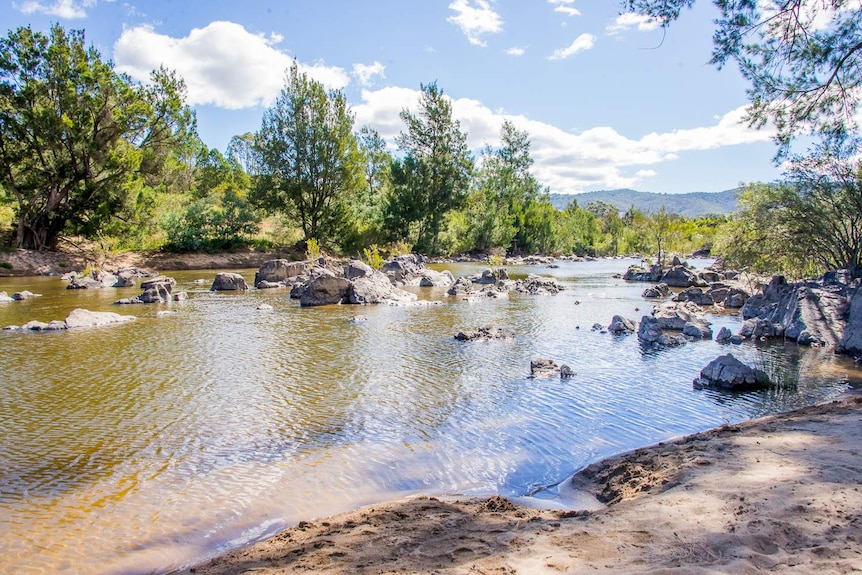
x: 141, y: 447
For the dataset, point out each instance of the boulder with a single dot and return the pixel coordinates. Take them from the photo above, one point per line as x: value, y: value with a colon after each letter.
x: 640, y: 274
x: 756, y: 328
x: 55, y: 325
x: 649, y: 330
x: 325, y: 289
x: 724, y: 335
x: 485, y: 278
x: 85, y: 318
x: 4, y: 297
x: 462, y: 287
x: 180, y: 296
x: 658, y: 291
x: 485, y: 333
x: 696, y: 296
x: 359, y: 269
x: 156, y: 290
x: 729, y: 374
x: 851, y: 340
x: 227, y: 281
x: 269, y: 285
x: 431, y: 278
x: 736, y: 298
x: 666, y: 340
x: 22, y: 295
x: 680, y: 276
x: 279, y: 271
x: 375, y: 287
x: 697, y: 329
x: 710, y: 276
x: 566, y: 372
x: 538, y: 285
x: 543, y: 368
x: 85, y: 282
x: 404, y: 269
x: 675, y: 316
x: 620, y: 325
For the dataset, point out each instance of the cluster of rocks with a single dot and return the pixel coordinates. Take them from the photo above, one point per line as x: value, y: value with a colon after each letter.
x: 17, y: 296
x: 542, y: 368
x: 706, y: 288
x: 99, y: 279
x: 485, y: 333
x: 683, y: 318
x: 496, y: 283
x: 411, y: 270
x: 78, y: 318
x: 159, y: 289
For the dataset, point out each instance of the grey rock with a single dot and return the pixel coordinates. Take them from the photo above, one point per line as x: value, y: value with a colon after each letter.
x: 851, y: 340
x: 485, y: 333
x: 538, y: 285
x: 724, y: 335
x: 680, y: 276
x: 22, y: 295
x: 4, y: 297
x: 227, y: 281
x: 264, y: 307
x: 180, y: 296
x: 462, y: 286
x: 696, y: 296
x: 85, y: 318
x: 278, y: 271
x: 729, y: 374
x: 649, y: 330
x: 566, y: 372
x: 620, y: 325
x: 658, y: 291
x: 697, y: 330
x: 543, y: 368
x: 736, y: 298
x: 641, y: 274
x: 85, y: 283
x: 325, y: 290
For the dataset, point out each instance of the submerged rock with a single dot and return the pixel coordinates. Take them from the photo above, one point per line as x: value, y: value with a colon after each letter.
x: 659, y: 291
x: 85, y: 318
x: 543, y: 368
x: 485, y: 333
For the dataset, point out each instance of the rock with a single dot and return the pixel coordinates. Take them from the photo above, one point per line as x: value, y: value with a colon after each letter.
x: 404, y: 269
x: 736, y: 298
x: 724, y: 335
x: 810, y: 313
x: 485, y: 333
x: 22, y: 295
x: 538, y: 285
x: 675, y: 316
x: 680, y: 276
x: 543, y: 368
x: 279, y: 271
x: 696, y: 296
x: 227, y: 281
x: 462, y: 286
x: 368, y: 286
x: 55, y: 325
x: 697, y: 329
x: 431, y: 278
x: 359, y: 269
x: 597, y: 327
x: 641, y: 274
x: 264, y: 307
x: 620, y: 325
x: 718, y: 292
x: 180, y: 296
x: 666, y: 340
x: 486, y: 277
x: 4, y: 297
x: 359, y: 318
x: 649, y: 330
x: 126, y: 278
x: 325, y: 289
x: 85, y: 283
x: 566, y: 372
x: 851, y: 340
x: 658, y: 291
x: 710, y: 276
x: 677, y: 262
x: 85, y: 318
x: 757, y: 328
x: 156, y: 290
x: 729, y: 374
x: 269, y: 285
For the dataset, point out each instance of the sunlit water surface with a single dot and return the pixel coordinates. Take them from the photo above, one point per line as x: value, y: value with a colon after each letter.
x: 142, y: 447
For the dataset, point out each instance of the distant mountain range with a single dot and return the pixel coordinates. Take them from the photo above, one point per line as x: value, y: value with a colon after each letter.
x: 690, y: 205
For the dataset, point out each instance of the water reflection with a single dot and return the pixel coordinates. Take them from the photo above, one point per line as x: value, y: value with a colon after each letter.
x: 141, y: 446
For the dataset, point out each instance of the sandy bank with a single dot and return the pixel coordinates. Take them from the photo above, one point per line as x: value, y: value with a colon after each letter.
x: 776, y: 495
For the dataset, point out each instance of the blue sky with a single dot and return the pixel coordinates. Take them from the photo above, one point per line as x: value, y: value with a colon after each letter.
x: 609, y: 100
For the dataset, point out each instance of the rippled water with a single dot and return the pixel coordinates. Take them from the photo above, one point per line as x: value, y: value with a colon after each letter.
x: 140, y: 447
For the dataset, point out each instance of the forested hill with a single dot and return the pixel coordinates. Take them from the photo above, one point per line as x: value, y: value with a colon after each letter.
x: 689, y: 205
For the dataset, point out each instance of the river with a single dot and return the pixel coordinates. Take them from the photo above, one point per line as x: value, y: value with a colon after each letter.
x: 141, y: 447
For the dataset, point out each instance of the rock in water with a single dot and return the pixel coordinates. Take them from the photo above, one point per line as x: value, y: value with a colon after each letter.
x: 226, y: 281
x: 729, y: 374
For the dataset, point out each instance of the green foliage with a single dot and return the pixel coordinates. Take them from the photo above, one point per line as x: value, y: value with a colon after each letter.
x: 372, y: 257
x: 802, y: 58
x: 308, y: 157
x: 218, y: 222
x: 78, y: 142
x: 433, y: 177
x: 312, y: 249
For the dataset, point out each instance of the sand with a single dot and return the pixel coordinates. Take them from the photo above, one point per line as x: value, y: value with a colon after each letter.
x: 775, y: 495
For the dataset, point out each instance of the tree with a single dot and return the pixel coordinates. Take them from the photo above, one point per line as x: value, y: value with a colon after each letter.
x: 78, y: 141
x: 659, y: 226
x: 309, y: 160
x: 434, y: 175
x: 803, y: 59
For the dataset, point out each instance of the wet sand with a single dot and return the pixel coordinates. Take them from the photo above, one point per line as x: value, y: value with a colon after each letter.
x: 775, y: 495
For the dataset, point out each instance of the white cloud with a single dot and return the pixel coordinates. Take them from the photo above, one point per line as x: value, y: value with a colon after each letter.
x: 630, y: 20
x: 223, y: 64
x: 581, y: 43
x: 598, y: 158
x: 68, y: 9
x: 516, y: 51
x: 365, y: 73
x: 564, y: 7
x: 475, y: 18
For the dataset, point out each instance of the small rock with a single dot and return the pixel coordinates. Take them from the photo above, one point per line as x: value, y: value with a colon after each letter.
x: 264, y: 307
x: 543, y: 368
x: 566, y: 372
x: 729, y: 374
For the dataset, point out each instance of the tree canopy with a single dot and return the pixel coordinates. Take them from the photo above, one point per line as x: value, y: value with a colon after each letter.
x: 802, y: 58
x: 78, y: 140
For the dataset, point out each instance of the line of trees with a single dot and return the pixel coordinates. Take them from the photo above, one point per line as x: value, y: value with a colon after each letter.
x: 85, y: 151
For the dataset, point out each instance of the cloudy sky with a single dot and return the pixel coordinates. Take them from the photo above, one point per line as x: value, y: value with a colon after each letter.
x: 609, y: 100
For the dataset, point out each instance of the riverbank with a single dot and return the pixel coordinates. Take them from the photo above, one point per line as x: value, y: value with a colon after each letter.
x: 780, y: 494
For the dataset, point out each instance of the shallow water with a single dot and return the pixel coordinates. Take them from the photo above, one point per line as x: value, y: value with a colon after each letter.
x: 137, y: 448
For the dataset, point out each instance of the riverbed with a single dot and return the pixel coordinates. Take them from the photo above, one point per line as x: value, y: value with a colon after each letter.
x: 144, y: 446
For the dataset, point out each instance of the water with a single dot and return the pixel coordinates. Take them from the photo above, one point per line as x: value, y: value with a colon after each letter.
x: 140, y: 447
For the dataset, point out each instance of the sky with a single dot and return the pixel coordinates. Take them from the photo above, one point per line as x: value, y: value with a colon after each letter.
x: 609, y: 100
